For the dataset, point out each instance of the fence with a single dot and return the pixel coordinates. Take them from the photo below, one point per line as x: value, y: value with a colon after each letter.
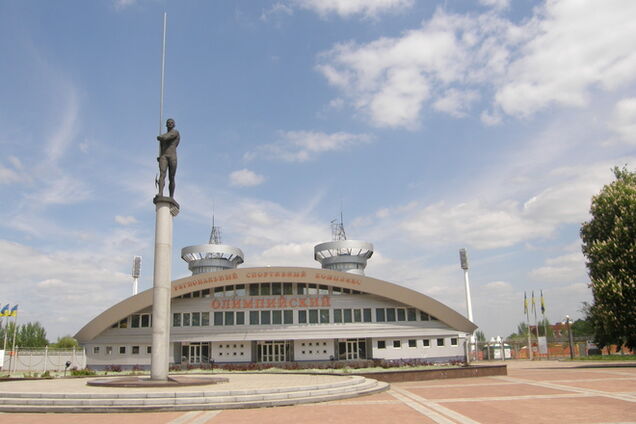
x: 515, y: 349
x: 43, y: 359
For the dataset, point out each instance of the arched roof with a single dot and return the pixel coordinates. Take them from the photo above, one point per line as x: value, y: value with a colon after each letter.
x: 211, y: 280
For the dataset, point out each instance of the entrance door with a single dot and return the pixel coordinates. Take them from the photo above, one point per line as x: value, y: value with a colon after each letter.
x: 350, y: 349
x: 272, y: 351
x: 194, y: 356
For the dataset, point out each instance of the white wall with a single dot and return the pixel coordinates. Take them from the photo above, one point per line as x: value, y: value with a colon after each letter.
x: 419, y: 351
x: 313, y: 350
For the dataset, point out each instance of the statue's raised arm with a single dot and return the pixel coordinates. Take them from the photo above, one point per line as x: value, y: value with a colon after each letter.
x: 168, y: 156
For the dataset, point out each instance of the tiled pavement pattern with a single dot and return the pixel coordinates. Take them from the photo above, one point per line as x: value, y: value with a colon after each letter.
x: 533, y: 392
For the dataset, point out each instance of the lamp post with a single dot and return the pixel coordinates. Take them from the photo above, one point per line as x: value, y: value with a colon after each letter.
x: 568, y: 322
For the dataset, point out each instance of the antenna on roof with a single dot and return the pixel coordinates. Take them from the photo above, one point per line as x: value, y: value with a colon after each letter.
x: 337, y: 229
x: 215, y: 234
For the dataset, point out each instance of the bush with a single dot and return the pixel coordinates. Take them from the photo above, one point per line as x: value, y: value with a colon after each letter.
x: 113, y: 368
x: 84, y: 372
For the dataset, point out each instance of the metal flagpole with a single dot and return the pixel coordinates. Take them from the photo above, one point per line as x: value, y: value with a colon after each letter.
x: 545, y: 324
x: 15, y: 330
x: 463, y: 262
x: 534, y: 310
x: 525, y: 307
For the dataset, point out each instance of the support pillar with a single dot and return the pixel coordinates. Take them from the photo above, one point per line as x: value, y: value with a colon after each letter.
x: 166, y: 209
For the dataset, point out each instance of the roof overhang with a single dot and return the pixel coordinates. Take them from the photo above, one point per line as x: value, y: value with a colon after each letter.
x: 211, y: 280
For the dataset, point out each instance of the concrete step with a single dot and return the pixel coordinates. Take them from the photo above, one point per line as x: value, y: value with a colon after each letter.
x: 183, y: 401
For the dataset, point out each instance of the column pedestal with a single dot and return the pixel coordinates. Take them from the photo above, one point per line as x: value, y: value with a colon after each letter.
x: 166, y: 209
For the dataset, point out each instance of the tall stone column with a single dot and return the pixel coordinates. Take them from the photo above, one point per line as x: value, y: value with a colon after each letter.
x: 166, y: 209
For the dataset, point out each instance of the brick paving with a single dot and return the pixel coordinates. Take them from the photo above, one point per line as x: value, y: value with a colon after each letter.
x: 532, y: 392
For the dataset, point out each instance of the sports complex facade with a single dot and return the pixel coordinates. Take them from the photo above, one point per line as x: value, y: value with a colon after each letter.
x: 227, y: 314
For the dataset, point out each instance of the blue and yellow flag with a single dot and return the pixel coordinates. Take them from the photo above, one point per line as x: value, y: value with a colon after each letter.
x: 542, y: 304
x: 4, y: 312
x: 14, y: 311
x: 525, y: 304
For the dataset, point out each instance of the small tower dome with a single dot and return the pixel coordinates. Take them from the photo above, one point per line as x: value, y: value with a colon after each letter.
x: 213, y: 256
x: 341, y: 254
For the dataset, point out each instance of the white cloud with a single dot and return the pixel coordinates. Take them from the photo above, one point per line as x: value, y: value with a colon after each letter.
x: 557, y: 58
x: 8, y: 175
x: 347, y: 8
x: 125, y: 220
x: 276, y: 11
x: 123, y: 4
x: 302, y: 146
x: 562, y: 269
x: 245, y: 178
x: 497, y: 286
x: 497, y: 4
x: 623, y: 123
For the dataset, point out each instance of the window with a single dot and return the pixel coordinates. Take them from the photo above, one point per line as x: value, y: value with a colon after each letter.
x: 347, y: 315
x: 323, y: 290
x: 390, y: 314
x: 196, y: 319
x: 397, y: 344
x: 253, y: 289
x: 265, y: 291
x: 240, y: 289
x: 379, y: 315
x: 401, y: 314
x: 205, y: 293
x: 424, y: 316
x: 277, y: 289
x: 185, y: 321
x: 440, y: 342
x: 312, y: 289
x: 218, y: 318
x: 324, y: 316
x: 266, y: 318
x: 381, y: 344
x: 336, y: 291
x: 229, y: 291
x: 148, y: 350
x: 454, y: 341
x: 123, y: 323
x: 218, y: 292
x: 337, y: 315
x: 205, y: 319
x: 122, y: 350
x: 411, y: 315
x: 426, y: 343
x: 146, y: 320
x: 288, y: 317
x: 287, y: 288
x: 229, y: 318
x: 313, y: 316
x: 176, y: 319
x: 433, y: 318
x: 277, y: 317
x: 196, y: 294
x: 240, y: 318
x: 357, y: 315
x: 302, y: 317
x: 96, y: 350
x: 109, y: 350
x: 254, y: 318
x: 135, y: 350
x: 300, y: 288
x: 412, y: 343
x: 135, y: 321
x: 366, y: 314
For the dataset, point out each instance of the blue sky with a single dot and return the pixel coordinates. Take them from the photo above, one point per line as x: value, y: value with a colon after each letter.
x: 431, y: 125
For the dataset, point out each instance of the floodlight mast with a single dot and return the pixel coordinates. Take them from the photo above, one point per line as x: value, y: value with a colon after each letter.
x: 463, y: 261
x: 136, y: 270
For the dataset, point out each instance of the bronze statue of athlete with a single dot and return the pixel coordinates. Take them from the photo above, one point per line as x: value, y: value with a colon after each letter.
x: 168, y: 156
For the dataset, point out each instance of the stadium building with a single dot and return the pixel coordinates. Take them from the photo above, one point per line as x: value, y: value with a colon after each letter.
x: 227, y: 314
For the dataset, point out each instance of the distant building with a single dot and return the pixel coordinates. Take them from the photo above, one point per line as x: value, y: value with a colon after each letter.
x: 280, y: 314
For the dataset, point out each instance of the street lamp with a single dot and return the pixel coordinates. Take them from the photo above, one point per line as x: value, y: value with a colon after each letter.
x: 568, y: 322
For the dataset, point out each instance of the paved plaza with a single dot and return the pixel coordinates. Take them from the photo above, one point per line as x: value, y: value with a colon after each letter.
x: 532, y: 392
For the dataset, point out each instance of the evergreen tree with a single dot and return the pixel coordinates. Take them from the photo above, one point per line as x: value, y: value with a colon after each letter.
x: 609, y: 244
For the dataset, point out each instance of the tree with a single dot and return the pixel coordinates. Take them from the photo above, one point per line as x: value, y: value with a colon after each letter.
x: 31, y: 334
x: 543, y: 324
x: 66, y: 342
x: 480, y: 336
x: 609, y: 244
